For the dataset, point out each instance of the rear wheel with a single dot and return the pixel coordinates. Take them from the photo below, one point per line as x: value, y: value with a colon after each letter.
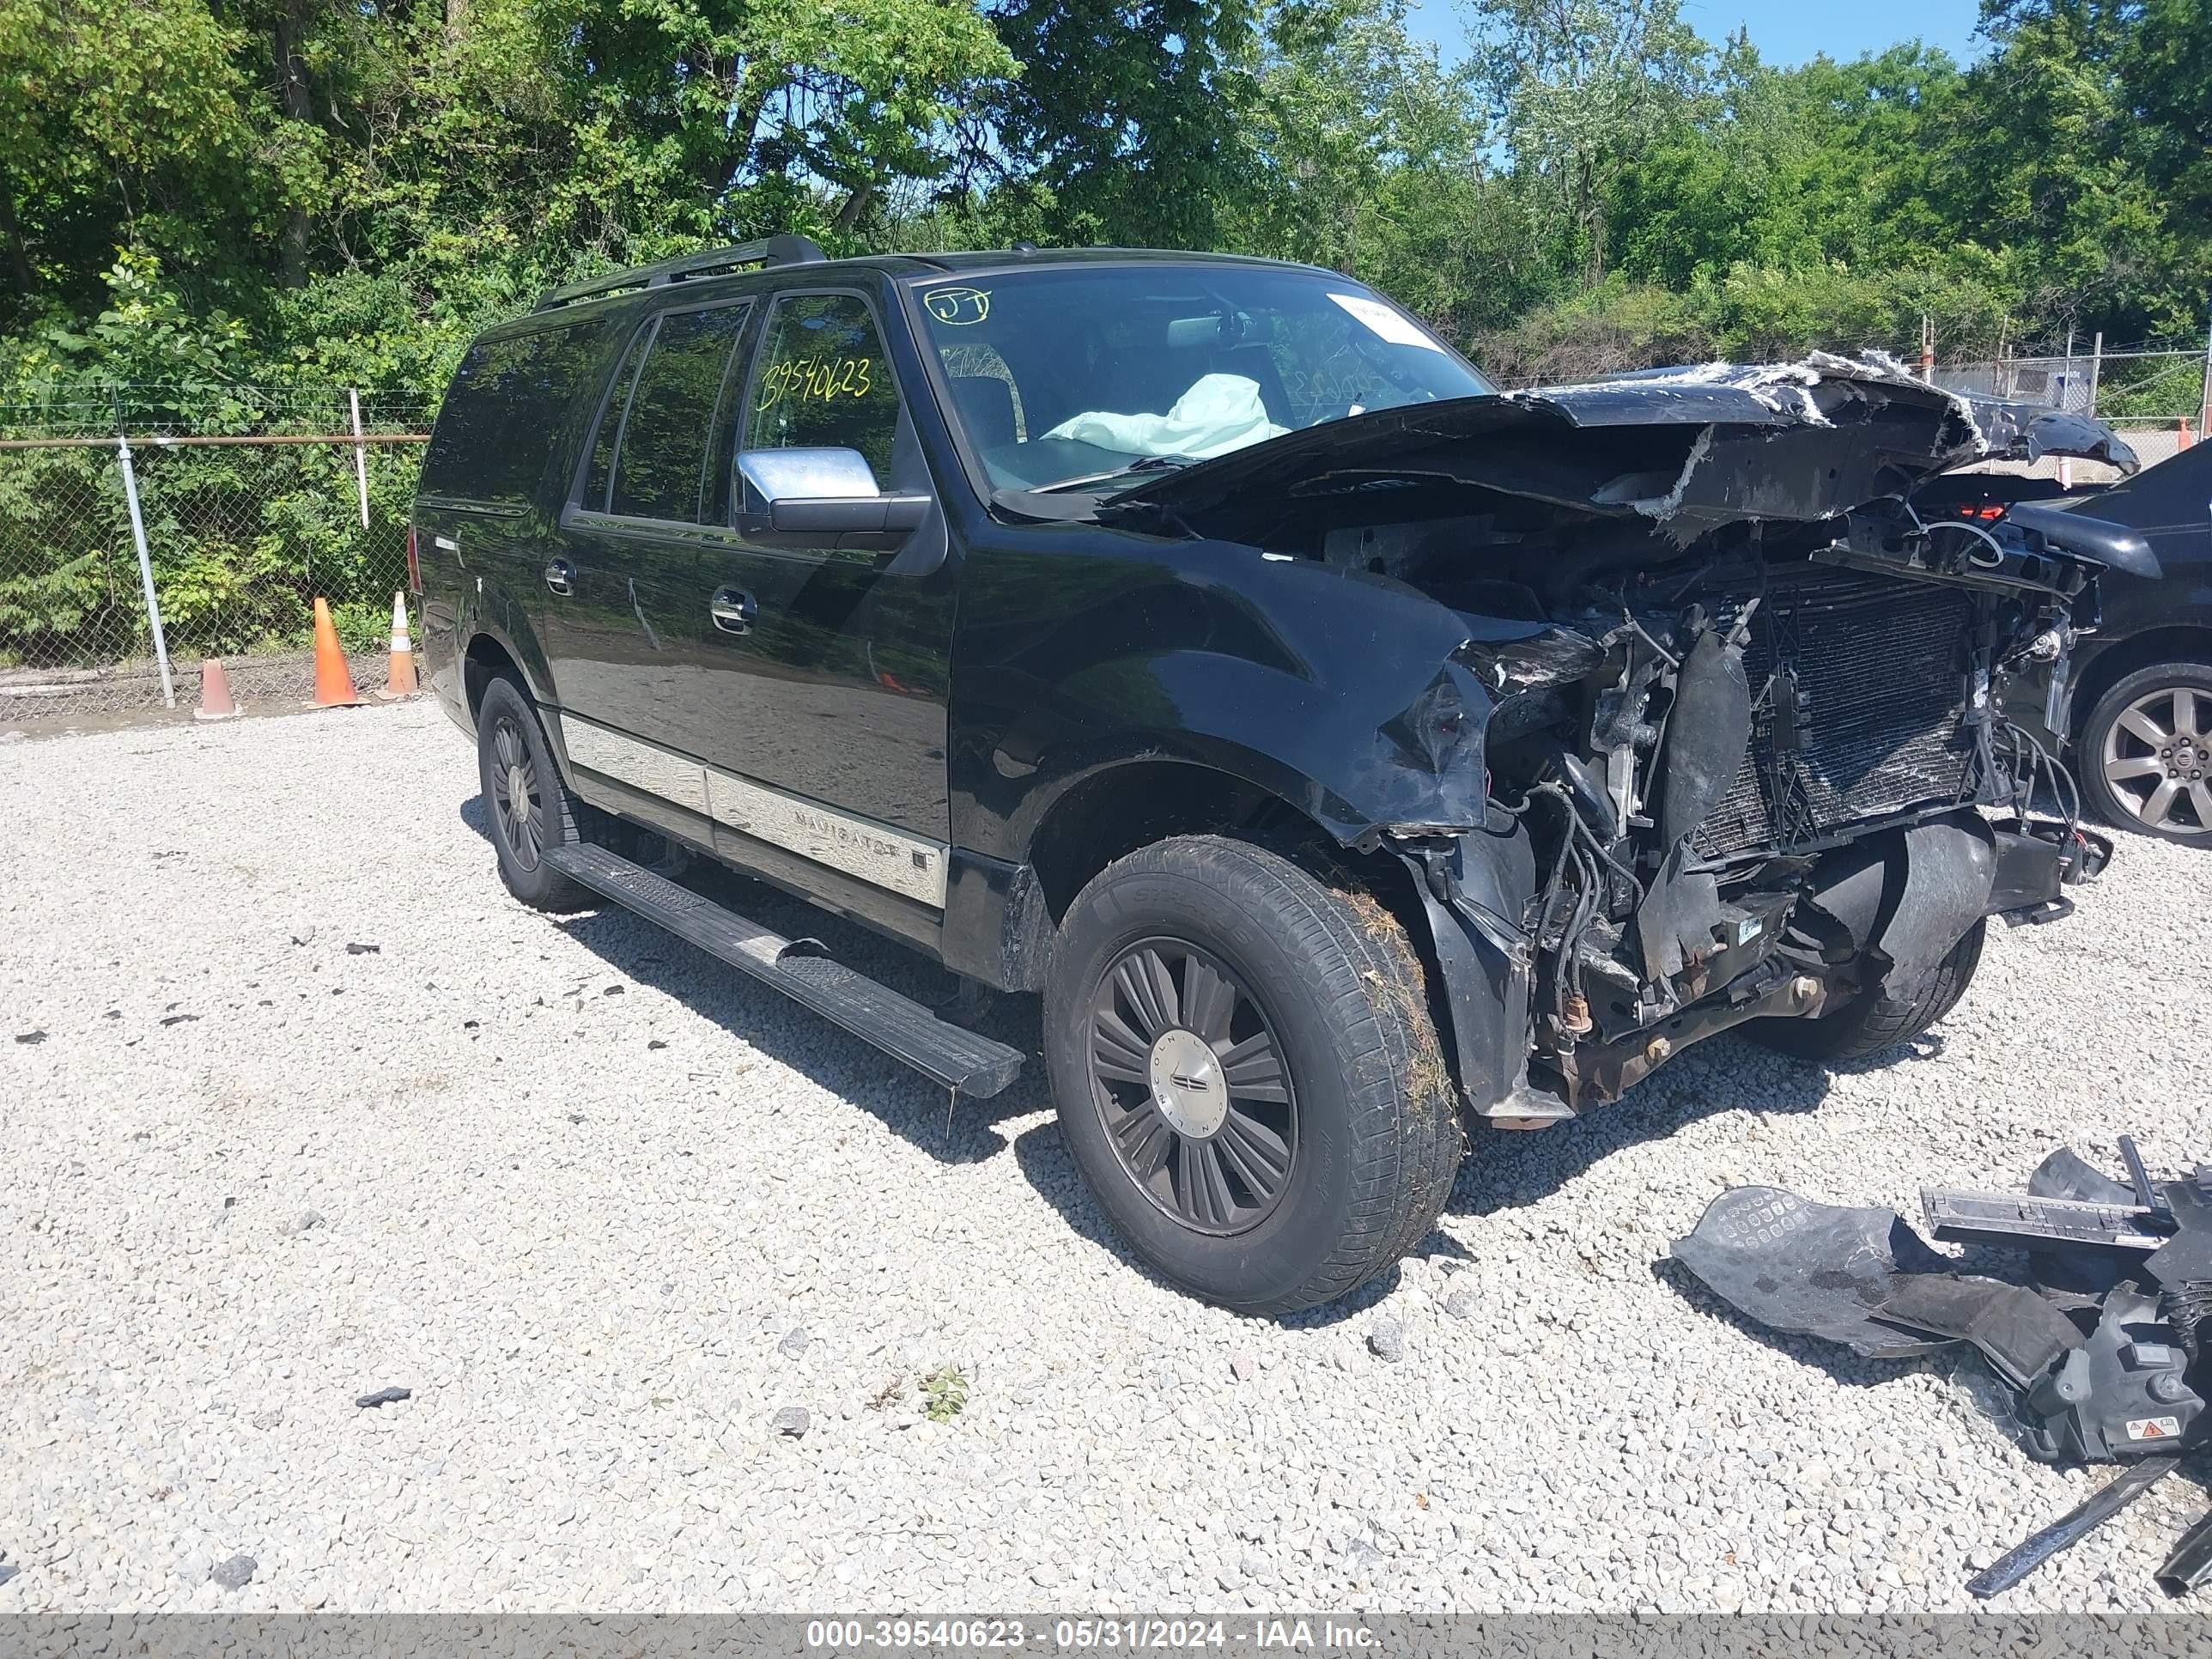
x: 531, y: 810
x: 1246, y: 1073
x: 2146, y: 753
x: 1871, y: 1021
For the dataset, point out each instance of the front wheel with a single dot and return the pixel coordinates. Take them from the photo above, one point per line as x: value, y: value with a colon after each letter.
x: 1246, y: 1073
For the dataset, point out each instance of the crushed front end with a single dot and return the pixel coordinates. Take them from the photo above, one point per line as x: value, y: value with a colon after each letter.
x: 1746, y: 757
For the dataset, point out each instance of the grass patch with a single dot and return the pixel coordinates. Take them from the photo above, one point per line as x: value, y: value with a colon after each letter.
x: 945, y: 1393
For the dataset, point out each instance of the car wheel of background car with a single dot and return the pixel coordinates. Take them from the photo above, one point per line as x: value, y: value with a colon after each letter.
x: 1246, y: 1073
x: 2145, y: 758
x: 1872, y: 1022
x: 528, y: 804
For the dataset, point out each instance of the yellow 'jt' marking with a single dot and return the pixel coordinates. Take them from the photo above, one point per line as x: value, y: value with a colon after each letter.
x: 958, y: 307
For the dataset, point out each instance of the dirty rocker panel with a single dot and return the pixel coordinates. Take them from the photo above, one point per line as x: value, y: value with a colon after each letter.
x: 875, y: 852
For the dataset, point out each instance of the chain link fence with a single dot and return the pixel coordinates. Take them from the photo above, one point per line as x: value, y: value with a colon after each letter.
x: 2157, y: 400
x: 252, y: 502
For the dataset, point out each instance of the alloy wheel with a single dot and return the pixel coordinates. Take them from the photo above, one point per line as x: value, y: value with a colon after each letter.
x: 518, y: 804
x: 1189, y: 1080
x: 2158, y: 760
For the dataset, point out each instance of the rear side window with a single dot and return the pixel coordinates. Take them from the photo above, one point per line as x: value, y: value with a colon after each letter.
x: 602, y: 471
x: 824, y: 382
x: 662, y: 465
x: 501, y: 413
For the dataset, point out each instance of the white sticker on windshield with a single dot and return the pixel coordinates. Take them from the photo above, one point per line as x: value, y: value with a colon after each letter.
x: 1384, y: 323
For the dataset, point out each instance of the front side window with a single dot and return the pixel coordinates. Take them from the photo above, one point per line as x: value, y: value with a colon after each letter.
x: 1075, y: 374
x: 660, y: 470
x: 824, y: 382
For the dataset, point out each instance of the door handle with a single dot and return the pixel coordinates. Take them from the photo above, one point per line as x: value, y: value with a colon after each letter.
x: 560, y: 576
x: 733, y: 609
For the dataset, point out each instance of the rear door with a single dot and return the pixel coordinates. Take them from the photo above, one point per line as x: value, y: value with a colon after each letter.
x: 835, y: 673
x: 625, y: 621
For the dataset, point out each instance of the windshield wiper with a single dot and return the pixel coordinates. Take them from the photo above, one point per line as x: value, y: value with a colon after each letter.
x: 1149, y: 463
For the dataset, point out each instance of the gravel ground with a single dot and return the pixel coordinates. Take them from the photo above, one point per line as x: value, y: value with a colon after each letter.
x: 318, y: 1112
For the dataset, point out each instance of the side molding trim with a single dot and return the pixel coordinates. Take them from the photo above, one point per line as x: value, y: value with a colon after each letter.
x: 875, y: 852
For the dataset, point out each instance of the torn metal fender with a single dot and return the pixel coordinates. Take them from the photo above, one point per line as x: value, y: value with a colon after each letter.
x: 1473, y: 891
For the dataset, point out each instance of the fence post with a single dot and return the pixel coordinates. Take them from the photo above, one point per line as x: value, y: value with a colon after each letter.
x: 2096, y: 368
x: 359, y: 455
x: 145, y: 570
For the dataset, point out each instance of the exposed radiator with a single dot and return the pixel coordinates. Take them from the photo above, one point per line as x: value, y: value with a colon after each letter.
x: 1878, y: 671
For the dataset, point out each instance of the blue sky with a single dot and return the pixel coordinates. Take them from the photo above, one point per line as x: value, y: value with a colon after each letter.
x: 1784, y: 31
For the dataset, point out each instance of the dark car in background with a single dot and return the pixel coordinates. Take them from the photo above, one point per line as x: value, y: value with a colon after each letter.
x: 2134, y: 709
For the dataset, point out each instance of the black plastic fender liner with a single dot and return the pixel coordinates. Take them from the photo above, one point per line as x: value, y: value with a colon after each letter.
x: 1473, y: 897
x: 1678, y: 915
x: 1908, y: 896
x: 1707, y: 731
x: 1811, y: 1269
x: 1950, y: 865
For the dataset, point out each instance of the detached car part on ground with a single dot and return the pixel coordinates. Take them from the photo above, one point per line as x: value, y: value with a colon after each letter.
x: 1419, y: 757
x: 2099, y: 1358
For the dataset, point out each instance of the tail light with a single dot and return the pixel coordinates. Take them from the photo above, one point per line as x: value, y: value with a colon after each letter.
x: 414, y: 563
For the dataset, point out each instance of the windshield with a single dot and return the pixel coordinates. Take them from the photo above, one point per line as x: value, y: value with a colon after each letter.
x: 1067, y: 377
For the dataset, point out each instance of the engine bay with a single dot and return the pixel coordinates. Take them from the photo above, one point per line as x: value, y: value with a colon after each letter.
x: 1744, y: 754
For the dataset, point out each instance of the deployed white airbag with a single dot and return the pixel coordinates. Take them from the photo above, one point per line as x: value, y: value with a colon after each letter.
x: 1220, y: 413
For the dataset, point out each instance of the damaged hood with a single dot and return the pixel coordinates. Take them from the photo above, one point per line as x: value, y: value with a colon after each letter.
x: 1691, y: 449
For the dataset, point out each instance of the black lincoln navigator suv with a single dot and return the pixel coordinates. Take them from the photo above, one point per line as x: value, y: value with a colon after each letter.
x: 1357, y: 760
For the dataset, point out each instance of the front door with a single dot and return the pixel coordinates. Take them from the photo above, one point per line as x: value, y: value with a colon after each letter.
x: 833, y: 652
x: 627, y: 628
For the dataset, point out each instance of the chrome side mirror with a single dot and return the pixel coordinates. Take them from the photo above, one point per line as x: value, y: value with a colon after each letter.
x: 829, y: 492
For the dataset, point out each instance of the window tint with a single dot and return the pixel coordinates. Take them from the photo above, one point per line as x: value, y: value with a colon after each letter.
x: 664, y: 441
x: 602, y: 471
x: 824, y: 382
x: 501, y: 413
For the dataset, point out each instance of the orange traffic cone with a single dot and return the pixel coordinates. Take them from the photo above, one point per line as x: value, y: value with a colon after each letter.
x: 399, y: 678
x: 214, y: 693
x: 333, y: 683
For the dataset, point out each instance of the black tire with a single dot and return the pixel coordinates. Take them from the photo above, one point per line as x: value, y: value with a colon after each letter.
x: 1871, y: 1022
x: 514, y: 763
x: 2122, y: 767
x: 1368, y: 1131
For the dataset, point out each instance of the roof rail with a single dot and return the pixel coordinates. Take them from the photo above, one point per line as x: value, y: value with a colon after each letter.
x: 770, y: 251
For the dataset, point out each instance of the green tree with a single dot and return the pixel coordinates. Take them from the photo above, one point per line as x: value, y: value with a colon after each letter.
x: 1119, y: 128
x: 1581, y: 89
